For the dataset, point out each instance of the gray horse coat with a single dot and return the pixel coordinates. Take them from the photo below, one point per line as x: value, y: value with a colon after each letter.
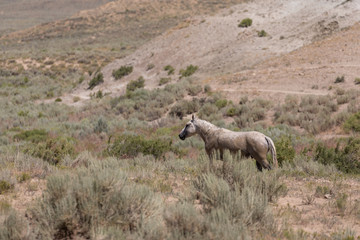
x: 254, y: 144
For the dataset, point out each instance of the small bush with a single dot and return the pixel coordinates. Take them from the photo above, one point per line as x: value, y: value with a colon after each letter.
x: 183, y: 107
x: 346, y: 159
x: 150, y: 66
x: 262, y: 33
x: 53, y: 150
x: 357, y: 81
x: 5, y: 186
x: 97, y: 79
x: 231, y: 112
x: 190, y: 70
x: 340, y: 79
x: 194, y: 90
x: 221, y: 103
x: 247, y: 22
x: 129, y: 146
x: 207, y: 88
x: 133, y: 85
x: 35, y: 135
x: 284, y: 149
x: 101, y: 126
x: 23, y: 177
x: 164, y: 81
x: 169, y: 69
x: 122, y: 72
x: 58, y: 100
x: 353, y: 123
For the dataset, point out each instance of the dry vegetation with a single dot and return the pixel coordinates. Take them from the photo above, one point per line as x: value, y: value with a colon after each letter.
x: 113, y: 167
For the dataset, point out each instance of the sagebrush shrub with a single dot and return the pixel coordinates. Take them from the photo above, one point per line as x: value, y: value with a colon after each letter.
x: 122, y: 72
x: 96, y: 80
x: 246, y: 22
x: 190, y: 70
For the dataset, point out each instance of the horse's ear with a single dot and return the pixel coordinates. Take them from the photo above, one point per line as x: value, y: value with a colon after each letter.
x: 193, y: 117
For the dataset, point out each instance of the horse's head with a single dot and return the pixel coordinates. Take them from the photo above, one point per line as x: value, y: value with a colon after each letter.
x: 189, y: 129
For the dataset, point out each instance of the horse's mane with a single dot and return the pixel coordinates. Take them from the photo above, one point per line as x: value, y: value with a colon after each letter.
x: 205, y: 125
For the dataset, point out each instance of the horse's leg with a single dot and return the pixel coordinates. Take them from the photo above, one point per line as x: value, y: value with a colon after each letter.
x: 258, y: 165
x: 221, y: 154
x: 210, y: 154
x: 261, y: 160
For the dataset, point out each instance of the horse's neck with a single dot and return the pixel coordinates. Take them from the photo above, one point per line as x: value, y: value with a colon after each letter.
x: 205, y: 129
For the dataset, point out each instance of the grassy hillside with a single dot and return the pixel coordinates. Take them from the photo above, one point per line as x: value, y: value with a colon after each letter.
x: 113, y: 166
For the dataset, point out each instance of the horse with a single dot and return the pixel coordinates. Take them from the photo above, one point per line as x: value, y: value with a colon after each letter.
x: 251, y: 144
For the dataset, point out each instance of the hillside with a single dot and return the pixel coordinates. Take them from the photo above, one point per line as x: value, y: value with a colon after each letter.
x: 86, y: 156
x: 226, y: 53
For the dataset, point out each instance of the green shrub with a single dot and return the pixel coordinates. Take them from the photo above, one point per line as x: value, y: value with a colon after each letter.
x: 194, y: 90
x: 207, y: 88
x: 101, y: 126
x: 34, y: 135
x: 262, y: 33
x: 58, y: 100
x: 5, y: 186
x: 164, y: 81
x: 150, y: 66
x: 190, y: 70
x: 231, y: 112
x: 353, y: 123
x: 184, y: 107
x: 246, y: 22
x: 135, y: 84
x: 346, y: 159
x: 357, y: 81
x: 100, y: 196
x: 169, y: 69
x: 122, y: 72
x: 221, y: 103
x: 129, y: 146
x: 284, y: 150
x: 14, y: 227
x: 340, y: 79
x: 23, y: 177
x: 53, y: 150
x: 96, y: 80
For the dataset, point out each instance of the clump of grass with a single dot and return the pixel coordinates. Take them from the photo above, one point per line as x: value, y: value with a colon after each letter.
x: 150, y: 66
x: 207, y: 88
x: 34, y: 135
x: 164, y: 81
x: 92, y: 201
x: 53, y: 150
x: 190, y: 70
x: 262, y: 33
x: 340, y: 79
x: 169, y: 69
x: 101, y: 126
x: 194, y: 90
x: 129, y: 146
x: 357, y: 81
x: 346, y: 158
x: 96, y: 80
x: 135, y: 84
x: 353, y: 123
x: 246, y: 22
x: 58, y: 100
x: 184, y: 107
x: 5, y: 186
x: 221, y: 103
x: 284, y: 150
x: 122, y: 72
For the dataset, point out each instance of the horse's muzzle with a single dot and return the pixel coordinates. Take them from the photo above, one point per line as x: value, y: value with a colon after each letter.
x: 182, y: 137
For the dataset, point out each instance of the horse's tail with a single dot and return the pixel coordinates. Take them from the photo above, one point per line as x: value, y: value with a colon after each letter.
x: 273, y: 151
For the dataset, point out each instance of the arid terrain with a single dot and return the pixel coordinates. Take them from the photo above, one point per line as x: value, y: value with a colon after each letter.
x: 93, y: 95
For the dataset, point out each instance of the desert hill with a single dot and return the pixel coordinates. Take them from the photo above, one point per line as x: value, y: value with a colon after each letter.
x: 228, y: 54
